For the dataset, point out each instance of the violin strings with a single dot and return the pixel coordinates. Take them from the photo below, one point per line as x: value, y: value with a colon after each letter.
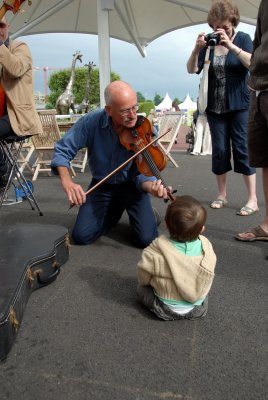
x: 151, y: 164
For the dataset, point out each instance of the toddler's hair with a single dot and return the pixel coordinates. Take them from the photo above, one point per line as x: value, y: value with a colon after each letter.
x: 185, y: 218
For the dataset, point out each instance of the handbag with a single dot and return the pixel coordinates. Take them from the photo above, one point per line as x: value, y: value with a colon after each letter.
x: 203, y: 87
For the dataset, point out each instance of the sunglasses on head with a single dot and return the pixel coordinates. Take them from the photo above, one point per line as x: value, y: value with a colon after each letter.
x: 3, y: 25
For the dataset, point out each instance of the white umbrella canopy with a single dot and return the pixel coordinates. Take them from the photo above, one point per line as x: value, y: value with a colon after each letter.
x: 135, y: 21
x: 129, y: 20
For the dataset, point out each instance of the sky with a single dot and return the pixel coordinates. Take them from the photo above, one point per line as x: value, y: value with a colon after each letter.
x: 162, y: 71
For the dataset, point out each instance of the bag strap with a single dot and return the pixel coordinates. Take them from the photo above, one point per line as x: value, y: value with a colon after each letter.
x: 207, y: 60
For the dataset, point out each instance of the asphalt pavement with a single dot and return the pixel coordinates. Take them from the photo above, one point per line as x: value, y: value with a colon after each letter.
x: 85, y: 336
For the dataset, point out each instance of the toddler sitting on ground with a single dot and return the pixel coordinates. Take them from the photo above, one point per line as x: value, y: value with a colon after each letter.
x: 175, y: 273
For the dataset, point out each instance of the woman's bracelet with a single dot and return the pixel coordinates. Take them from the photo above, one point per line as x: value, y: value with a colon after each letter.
x: 237, y: 54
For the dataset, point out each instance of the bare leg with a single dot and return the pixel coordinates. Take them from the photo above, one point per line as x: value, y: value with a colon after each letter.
x: 264, y: 224
x: 221, y: 182
x: 250, y: 181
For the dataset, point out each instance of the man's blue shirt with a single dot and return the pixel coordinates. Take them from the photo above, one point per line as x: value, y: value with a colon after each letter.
x: 94, y: 131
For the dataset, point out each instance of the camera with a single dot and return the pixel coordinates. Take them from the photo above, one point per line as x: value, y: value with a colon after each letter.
x: 212, y: 39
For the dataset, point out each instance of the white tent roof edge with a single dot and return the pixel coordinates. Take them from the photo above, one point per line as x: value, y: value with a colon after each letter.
x: 103, y: 8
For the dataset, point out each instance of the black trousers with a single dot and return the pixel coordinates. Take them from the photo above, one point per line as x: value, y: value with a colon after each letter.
x: 5, y: 131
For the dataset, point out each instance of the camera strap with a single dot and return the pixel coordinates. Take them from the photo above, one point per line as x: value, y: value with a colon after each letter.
x: 203, y: 87
x: 207, y: 60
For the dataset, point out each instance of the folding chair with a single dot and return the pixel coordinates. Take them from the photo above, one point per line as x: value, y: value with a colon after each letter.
x: 25, y: 156
x: 11, y: 147
x: 80, y: 161
x: 169, y: 120
x: 45, y: 142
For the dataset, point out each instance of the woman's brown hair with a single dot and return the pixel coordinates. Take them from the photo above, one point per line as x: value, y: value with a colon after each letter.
x: 222, y: 11
x: 185, y: 218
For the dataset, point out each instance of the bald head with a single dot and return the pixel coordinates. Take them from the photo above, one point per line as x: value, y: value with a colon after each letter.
x: 117, y: 91
x: 121, y: 105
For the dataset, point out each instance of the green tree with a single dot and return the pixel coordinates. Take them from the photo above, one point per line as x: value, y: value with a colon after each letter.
x: 59, y: 80
x: 157, y: 99
x: 140, y: 97
x: 146, y: 107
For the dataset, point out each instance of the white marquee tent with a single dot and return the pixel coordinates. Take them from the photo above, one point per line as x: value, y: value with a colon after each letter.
x: 135, y: 21
x: 188, y: 104
x: 166, y: 104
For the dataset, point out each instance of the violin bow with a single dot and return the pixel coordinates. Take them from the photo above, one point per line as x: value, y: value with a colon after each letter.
x: 123, y: 164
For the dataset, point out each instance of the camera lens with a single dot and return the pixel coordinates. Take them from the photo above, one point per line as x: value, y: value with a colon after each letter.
x: 212, y: 39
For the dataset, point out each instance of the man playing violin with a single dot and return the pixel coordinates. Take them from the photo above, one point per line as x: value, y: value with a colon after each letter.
x: 18, y: 115
x: 128, y: 189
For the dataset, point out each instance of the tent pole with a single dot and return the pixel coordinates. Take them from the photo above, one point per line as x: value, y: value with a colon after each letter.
x: 104, y: 6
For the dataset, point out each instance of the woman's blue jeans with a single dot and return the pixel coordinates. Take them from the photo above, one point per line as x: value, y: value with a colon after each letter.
x: 229, y: 136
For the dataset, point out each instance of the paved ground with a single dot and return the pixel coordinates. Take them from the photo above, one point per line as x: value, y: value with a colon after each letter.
x: 86, y: 337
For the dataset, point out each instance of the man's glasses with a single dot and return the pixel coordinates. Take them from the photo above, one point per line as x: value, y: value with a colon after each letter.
x: 3, y: 25
x: 126, y: 111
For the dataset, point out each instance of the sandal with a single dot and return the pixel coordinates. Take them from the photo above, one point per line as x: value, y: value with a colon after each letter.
x: 258, y: 232
x: 217, y: 204
x: 246, y: 211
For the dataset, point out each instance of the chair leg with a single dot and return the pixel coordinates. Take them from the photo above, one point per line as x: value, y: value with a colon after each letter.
x: 172, y: 160
x: 168, y: 155
x: 84, y: 161
x: 73, y: 173
x: 36, y: 171
x: 25, y: 160
x: 10, y: 173
x: 28, y: 191
x: 13, y: 160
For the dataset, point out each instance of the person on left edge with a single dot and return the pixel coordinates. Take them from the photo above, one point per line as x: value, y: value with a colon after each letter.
x: 128, y: 189
x: 18, y: 115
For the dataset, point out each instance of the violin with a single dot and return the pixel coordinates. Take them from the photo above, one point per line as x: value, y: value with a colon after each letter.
x: 133, y: 142
x: 151, y: 160
x: 13, y: 6
x: 133, y: 157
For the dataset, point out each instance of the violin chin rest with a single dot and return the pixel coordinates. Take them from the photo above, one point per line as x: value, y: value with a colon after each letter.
x: 140, y: 120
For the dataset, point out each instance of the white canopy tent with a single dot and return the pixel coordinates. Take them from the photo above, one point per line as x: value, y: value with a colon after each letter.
x: 188, y: 104
x: 135, y: 21
x: 166, y: 104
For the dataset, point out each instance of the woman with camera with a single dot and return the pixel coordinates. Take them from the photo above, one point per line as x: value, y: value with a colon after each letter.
x: 227, y: 98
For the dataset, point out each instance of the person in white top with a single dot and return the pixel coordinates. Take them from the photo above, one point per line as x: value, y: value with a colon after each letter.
x: 202, y: 141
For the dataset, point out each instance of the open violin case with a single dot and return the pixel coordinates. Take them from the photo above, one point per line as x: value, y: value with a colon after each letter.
x: 30, y: 257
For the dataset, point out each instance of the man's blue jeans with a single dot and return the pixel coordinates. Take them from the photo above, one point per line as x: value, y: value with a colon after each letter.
x: 104, y: 208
